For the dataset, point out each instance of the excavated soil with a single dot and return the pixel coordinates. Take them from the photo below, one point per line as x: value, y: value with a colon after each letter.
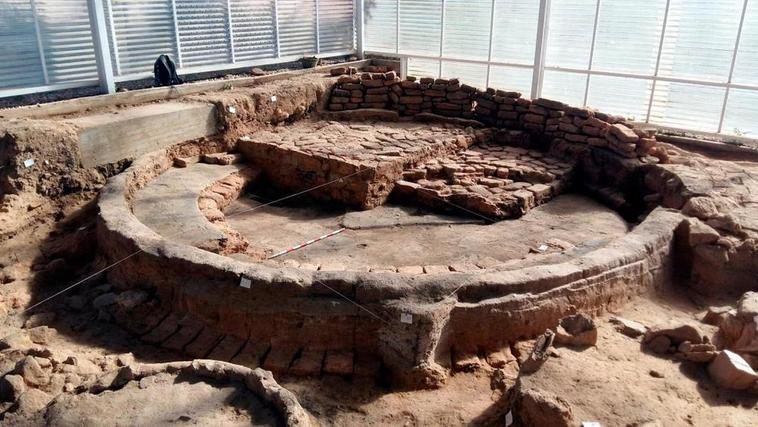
x: 70, y: 361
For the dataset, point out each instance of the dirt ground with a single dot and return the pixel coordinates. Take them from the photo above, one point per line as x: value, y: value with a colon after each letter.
x: 393, y: 235
x: 615, y: 382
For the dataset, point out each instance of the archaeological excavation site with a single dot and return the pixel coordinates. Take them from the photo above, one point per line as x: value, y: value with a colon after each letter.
x: 378, y: 240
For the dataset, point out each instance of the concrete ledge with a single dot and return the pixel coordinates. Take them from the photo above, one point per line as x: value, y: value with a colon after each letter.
x: 129, y: 133
x: 160, y: 93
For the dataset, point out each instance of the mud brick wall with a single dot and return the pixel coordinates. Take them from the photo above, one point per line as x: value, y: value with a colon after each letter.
x: 440, y: 96
x: 367, y: 90
x: 568, y: 129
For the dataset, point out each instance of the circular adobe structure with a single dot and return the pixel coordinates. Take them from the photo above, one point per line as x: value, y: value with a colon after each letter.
x: 188, y: 236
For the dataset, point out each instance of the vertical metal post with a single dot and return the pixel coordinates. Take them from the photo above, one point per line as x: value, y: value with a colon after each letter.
x: 658, y: 61
x: 100, y: 41
x: 359, y: 33
x: 397, y: 26
x: 318, y: 31
x: 231, y: 30
x: 276, y: 28
x: 489, y: 54
x: 179, y: 60
x: 116, y: 60
x: 592, y: 53
x: 543, y: 28
x: 40, y: 47
x: 442, y: 38
x: 731, y: 69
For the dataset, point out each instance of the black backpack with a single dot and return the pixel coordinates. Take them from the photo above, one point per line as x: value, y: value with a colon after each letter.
x: 164, y: 70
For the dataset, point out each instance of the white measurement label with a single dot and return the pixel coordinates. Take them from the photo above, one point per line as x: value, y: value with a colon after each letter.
x: 29, y: 163
x: 406, y: 318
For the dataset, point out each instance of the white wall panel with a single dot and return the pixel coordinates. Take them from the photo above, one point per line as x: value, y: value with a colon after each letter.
x: 420, y: 22
x: 336, y: 25
x: 254, y: 30
x: 467, y: 29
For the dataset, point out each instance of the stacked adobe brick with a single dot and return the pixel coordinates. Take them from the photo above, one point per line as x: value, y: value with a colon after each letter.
x: 499, y: 108
x: 440, y: 96
x: 566, y: 129
x: 369, y: 90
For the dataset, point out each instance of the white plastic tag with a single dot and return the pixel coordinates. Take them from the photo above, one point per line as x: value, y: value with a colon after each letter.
x: 28, y: 163
x: 508, y: 419
x: 245, y: 282
x: 273, y: 98
x: 406, y: 318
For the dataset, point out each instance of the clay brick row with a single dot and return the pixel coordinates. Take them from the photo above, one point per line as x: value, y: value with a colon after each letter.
x: 571, y: 129
x: 367, y: 90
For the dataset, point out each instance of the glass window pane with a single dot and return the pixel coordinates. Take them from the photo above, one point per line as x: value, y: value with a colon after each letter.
x: 515, y: 31
x: 467, y: 29
x: 742, y: 113
x: 687, y: 106
x: 628, y: 35
x: 380, y: 25
x: 570, y: 37
x: 418, y: 67
x: 700, y: 38
x: 512, y: 78
x: 746, y: 67
x: 619, y: 95
x: 564, y: 87
x: 471, y: 74
x: 420, y: 22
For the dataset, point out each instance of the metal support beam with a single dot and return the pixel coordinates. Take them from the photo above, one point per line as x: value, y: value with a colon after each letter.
x: 592, y: 53
x: 442, y: 37
x: 359, y: 31
x: 489, y: 54
x: 731, y: 68
x: 102, y: 49
x: 276, y: 28
x: 230, y: 30
x: 540, y: 48
x: 179, y: 60
x: 318, y: 31
x: 40, y: 46
x: 658, y: 60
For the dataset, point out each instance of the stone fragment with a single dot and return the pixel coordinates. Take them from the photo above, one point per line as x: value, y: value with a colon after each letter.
x: 729, y: 370
x: 33, y: 400
x: 677, y: 334
x: 42, y: 334
x: 715, y: 315
x: 536, y: 408
x: 660, y: 344
x: 701, y: 207
x: 39, y: 319
x: 747, y: 307
x: 11, y: 387
x: 104, y: 300
x: 701, y: 233
x: 576, y: 330
x: 32, y: 373
x: 623, y: 133
x: 130, y: 299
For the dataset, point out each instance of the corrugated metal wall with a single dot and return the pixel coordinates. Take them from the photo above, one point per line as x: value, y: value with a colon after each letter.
x: 48, y: 44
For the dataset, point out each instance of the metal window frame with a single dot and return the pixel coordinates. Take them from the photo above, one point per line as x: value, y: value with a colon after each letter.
x: 538, y: 66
